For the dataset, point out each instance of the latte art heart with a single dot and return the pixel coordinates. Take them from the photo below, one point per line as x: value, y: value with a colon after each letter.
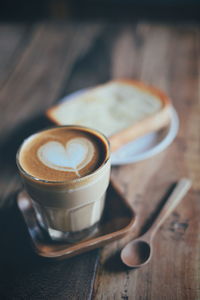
x: 71, y: 157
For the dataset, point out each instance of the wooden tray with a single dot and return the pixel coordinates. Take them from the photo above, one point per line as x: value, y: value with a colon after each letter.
x: 117, y: 220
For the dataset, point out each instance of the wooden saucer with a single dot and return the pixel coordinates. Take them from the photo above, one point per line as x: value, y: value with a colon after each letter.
x: 117, y: 220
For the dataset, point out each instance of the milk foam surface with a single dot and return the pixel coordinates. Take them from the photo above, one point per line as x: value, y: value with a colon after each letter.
x: 72, y: 156
x: 61, y: 154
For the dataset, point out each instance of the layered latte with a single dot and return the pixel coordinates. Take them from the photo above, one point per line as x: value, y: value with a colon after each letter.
x: 66, y: 172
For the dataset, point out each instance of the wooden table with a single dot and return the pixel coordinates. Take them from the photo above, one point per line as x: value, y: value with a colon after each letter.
x: 42, y: 62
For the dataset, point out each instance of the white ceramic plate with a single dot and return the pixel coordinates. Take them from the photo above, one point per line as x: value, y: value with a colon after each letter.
x: 144, y: 147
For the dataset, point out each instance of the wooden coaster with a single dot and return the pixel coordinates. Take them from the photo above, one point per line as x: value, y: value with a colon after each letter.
x: 117, y: 220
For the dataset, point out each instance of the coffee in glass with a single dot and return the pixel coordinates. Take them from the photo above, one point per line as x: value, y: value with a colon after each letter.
x: 66, y: 172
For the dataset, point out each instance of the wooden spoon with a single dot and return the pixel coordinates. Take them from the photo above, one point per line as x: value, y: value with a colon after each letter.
x: 138, y: 252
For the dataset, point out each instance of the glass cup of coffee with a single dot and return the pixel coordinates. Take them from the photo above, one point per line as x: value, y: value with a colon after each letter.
x: 66, y: 172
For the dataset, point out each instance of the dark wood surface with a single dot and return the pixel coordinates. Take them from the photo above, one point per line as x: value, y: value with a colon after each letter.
x: 40, y: 63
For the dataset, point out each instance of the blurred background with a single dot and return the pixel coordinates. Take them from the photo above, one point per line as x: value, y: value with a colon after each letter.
x: 51, y: 48
x: 23, y: 10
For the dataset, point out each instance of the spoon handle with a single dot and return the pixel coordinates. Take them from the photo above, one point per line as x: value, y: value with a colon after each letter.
x: 175, y: 198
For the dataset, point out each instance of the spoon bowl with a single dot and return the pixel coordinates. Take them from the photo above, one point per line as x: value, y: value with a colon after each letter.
x: 136, y: 253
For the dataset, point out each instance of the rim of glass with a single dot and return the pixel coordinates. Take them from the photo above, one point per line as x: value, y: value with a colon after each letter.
x: 25, y: 173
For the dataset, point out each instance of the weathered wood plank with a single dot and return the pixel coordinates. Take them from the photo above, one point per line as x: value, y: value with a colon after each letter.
x: 95, y: 68
x: 45, y: 65
x: 13, y: 40
x: 167, y: 58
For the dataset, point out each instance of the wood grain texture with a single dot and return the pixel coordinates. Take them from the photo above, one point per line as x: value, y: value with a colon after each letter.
x: 42, y: 69
x: 46, y: 61
x: 13, y: 40
x: 165, y: 56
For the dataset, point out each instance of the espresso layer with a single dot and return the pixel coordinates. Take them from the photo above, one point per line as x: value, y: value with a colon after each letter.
x: 63, y: 153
